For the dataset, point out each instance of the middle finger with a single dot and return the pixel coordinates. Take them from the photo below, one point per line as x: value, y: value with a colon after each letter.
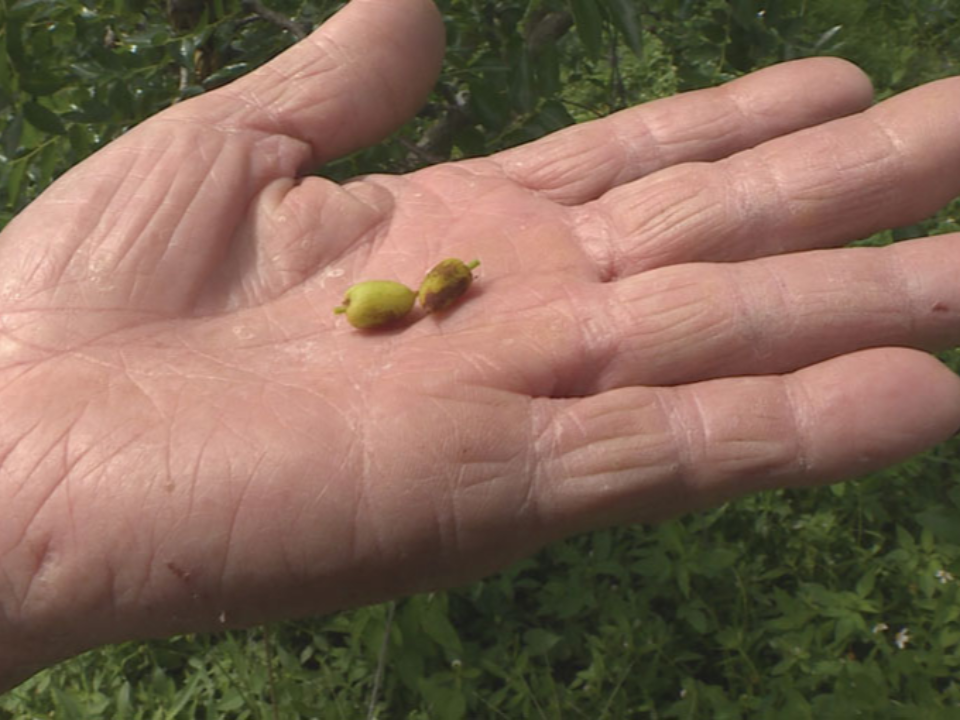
x: 700, y: 321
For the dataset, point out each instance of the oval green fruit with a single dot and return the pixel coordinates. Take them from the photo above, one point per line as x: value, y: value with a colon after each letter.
x: 376, y: 303
x: 445, y: 284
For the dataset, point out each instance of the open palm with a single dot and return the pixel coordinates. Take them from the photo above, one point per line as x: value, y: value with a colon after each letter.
x: 192, y: 438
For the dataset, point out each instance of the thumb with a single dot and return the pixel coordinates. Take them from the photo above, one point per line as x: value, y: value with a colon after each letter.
x: 348, y: 85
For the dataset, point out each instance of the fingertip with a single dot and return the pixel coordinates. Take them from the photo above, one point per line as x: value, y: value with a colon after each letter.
x: 935, y: 392
x: 848, y: 75
x: 841, y: 73
x: 885, y: 404
x: 828, y: 88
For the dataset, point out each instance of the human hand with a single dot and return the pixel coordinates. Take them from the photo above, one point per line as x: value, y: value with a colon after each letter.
x: 192, y: 439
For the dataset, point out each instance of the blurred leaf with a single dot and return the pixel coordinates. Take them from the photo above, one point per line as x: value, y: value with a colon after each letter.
x: 522, y: 86
x: 50, y: 156
x: 866, y: 583
x: 25, y: 8
x: 10, y: 138
x: 490, y: 103
x: 539, y: 641
x: 41, y: 83
x: 17, y: 170
x: 43, y: 119
x: 437, y: 626
x: 81, y: 139
x: 553, y: 116
x: 121, y: 101
x: 626, y: 16
x: 942, y: 522
x: 445, y: 702
x: 695, y: 616
x: 14, y: 43
x: 588, y: 22
x: 92, y: 111
x: 745, y: 12
x: 7, y: 75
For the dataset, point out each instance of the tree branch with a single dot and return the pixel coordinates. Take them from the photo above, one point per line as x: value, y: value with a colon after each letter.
x: 279, y: 19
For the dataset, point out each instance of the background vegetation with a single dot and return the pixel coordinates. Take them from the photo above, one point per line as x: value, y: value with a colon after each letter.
x: 835, y: 603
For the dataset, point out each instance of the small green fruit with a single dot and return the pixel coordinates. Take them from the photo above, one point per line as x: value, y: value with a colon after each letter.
x: 445, y: 284
x: 375, y: 303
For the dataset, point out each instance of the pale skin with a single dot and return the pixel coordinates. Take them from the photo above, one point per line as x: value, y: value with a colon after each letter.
x: 191, y: 439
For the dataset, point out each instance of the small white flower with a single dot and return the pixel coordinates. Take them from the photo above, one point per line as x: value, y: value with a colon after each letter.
x: 683, y: 693
x: 902, y: 638
x: 879, y: 628
x: 944, y: 576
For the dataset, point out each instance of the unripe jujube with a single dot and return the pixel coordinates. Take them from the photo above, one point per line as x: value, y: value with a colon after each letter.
x: 375, y: 303
x: 445, y: 284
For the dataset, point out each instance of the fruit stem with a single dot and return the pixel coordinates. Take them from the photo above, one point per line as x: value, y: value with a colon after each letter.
x: 339, y: 310
x: 471, y: 265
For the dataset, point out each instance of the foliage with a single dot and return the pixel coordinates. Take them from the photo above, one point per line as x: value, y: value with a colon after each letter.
x: 819, y: 604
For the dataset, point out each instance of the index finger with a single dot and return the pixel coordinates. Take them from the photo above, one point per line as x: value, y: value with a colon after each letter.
x: 582, y: 162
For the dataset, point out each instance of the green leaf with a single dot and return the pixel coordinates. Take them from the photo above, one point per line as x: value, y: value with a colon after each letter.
x: 15, y: 182
x: 446, y: 703
x: 8, y: 80
x: 942, y: 522
x: 10, y: 137
x: 121, y: 100
x: 81, y: 140
x: 695, y: 616
x: 14, y: 33
x: 539, y: 642
x: 43, y: 119
x: 49, y: 159
x: 41, y: 83
x: 67, y: 705
x: 588, y: 21
x: 745, y: 12
x: 548, y: 71
x: 91, y: 111
x: 626, y: 16
x: 866, y: 583
x: 489, y: 104
x: 438, y: 627
x: 524, y: 92
x: 25, y: 8
x: 550, y: 117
